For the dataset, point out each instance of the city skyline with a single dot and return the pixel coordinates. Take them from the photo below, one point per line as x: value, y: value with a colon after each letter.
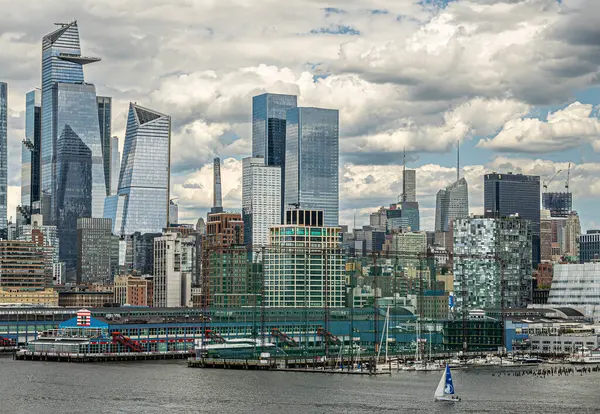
x: 218, y: 123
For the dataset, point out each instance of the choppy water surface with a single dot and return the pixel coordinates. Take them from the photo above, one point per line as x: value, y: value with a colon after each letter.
x: 153, y: 387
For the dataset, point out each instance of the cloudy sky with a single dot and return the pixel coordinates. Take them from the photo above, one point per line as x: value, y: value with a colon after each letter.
x: 515, y: 81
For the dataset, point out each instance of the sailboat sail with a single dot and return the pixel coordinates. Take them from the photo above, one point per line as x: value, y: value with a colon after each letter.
x: 449, y: 387
x: 439, y: 391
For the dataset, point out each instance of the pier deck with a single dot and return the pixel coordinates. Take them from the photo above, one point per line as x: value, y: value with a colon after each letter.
x: 116, y: 357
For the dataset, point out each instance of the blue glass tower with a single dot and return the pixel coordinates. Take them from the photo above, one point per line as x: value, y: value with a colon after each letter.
x: 312, y: 161
x: 104, y: 120
x: 69, y: 113
x: 142, y: 201
x: 269, y: 129
x: 3, y: 157
x: 30, y: 151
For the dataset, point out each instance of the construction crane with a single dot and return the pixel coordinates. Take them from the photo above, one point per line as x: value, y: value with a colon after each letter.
x: 547, y: 183
x: 568, y: 177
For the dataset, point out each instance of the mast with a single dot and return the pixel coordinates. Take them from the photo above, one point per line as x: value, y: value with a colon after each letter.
x: 457, y: 160
x: 404, y: 175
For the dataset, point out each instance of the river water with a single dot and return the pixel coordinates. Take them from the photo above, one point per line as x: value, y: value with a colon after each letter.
x: 169, y: 386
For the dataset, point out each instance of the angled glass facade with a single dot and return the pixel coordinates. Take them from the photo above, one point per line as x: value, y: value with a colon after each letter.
x: 451, y: 203
x: 104, y: 121
x: 68, y: 102
x: 72, y: 175
x: 312, y: 161
x: 142, y: 202
x: 115, y: 164
x: 30, y: 150
x: 3, y: 156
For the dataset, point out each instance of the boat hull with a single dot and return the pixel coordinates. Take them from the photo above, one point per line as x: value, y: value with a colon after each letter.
x: 447, y: 399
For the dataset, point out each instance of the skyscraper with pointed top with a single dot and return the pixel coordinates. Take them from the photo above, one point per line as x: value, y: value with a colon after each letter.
x: 142, y: 201
x: 72, y: 175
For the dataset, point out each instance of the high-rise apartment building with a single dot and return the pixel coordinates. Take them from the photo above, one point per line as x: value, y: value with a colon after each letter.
x: 508, y: 194
x: 409, y: 246
x: 173, y: 266
x: 30, y: 150
x: 409, y: 185
x: 104, y: 120
x: 142, y: 201
x: 49, y: 241
x: 312, y: 161
x: 261, y: 200
x: 22, y: 265
x: 492, y: 263
x: 225, y: 262
x: 72, y: 176
x: 305, y: 265
x: 115, y: 165
x: 98, y: 251
x: 589, y: 247
x: 269, y: 125
x: 451, y: 203
x: 3, y: 157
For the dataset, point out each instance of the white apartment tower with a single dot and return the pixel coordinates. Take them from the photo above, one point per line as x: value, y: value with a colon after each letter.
x: 173, y: 265
x: 261, y: 200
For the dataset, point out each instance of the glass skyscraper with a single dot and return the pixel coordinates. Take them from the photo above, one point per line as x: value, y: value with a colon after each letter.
x: 451, y: 203
x: 312, y: 161
x: 30, y: 151
x: 269, y: 129
x: 104, y: 120
x: 72, y: 174
x: 508, y: 194
x: 115, y: 164
x: 142, y: 201
x: 3, y: 157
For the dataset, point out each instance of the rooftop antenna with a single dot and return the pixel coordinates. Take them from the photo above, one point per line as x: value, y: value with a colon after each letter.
x: 404, y: 175
x: 457, y: 160
x: 568, y: 178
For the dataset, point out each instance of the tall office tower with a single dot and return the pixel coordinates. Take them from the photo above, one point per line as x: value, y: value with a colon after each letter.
x: 3, y: 157
x: 305, y: 266
x: 142, y: 201
x: 411, y: 246
x: 261, y: 200
x: 72, y: 174
x: 201, y: 226
x: 492, y: 263
x: 269, y: 128
x: 115, y: 165
x: 545, y: 236
x: 104, y: 120
x: 312, y: 161
x: 217, y: 197
x: 451, y: 203
x: 409, y: 185
x: 571, y: 233
x: 30, y: 150
x: 378, y: 220
x: 507, y: 194
x: 173, y: 265
x: 173, y: 213
x: 559, y: 204
x: 98, y: 254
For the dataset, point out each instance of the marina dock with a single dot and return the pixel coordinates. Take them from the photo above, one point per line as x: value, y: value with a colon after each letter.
x: 98, y: 357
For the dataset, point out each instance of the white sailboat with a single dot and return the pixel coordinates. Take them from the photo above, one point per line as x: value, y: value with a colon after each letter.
x: 445, y: 388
